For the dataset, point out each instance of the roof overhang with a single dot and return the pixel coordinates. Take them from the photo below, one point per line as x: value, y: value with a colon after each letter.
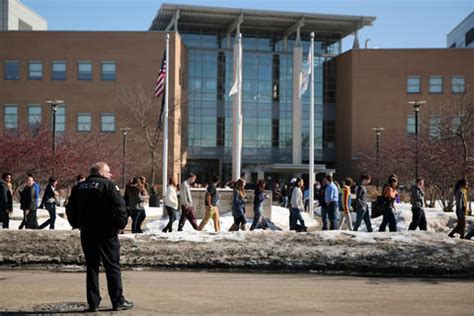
x: 258, y: 21
x: 288, y: 168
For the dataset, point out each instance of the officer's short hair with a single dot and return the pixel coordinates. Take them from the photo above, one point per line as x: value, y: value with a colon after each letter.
x: 97, y: 167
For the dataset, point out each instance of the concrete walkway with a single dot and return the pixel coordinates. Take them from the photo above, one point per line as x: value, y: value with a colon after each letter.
x: 236, y: 293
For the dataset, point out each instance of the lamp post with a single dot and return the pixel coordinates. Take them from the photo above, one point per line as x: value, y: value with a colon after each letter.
x: 54, y: 108
x: 417, y: 105
x: 378, y: 132
x: 125, y: 131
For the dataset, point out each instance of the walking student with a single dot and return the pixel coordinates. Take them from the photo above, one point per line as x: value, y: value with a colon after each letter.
x: 136, y: 202
x: 322, y: 203
x: 462, y: 207
x: 258, y: 200
x: 417, y: 197
x: 362, y: 205
x: 346, y: 203
x: 171, y: 204
x: 6, y: 200
x: 389, y: 194
x: 212, y: 209
x: 332, y: 201
x: 50, y: 201
x: 238, y: 206
x: 186, y: 200
x: 28, y: 205
x: 98, y: 210
x: 297, y: 206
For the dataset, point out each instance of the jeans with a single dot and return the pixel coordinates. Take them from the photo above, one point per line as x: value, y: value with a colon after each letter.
x: 138, y: 217
x: 239, y: 222
x: 418, y: 219
x: 5, y: 219
x: 51, y: 208
x: 259, y: 219
x: 106, y: 250
x: 363, y: 213
x: 173, y: 215
x: 388, y: 218
x: 332, y: 214
x: 284, y: 202
x: 324, y: 216
x: 346, y: 218
x: 295, y: 216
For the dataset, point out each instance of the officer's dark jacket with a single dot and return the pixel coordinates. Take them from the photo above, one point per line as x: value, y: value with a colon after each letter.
x: 96, y: 207
x: 5, y: 197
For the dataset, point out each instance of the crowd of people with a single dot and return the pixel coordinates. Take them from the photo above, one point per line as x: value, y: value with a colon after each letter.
x: 336, y: 202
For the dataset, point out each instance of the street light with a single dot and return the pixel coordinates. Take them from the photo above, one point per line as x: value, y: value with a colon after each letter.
x: 378, y: 131
x: 54, y: 108
x: 125, y: 131
x: 417, y: 105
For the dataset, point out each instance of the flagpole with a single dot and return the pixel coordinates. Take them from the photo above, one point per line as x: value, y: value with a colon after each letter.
x: 237, y: 111
x: 165, y: 119
x: 311, y: 132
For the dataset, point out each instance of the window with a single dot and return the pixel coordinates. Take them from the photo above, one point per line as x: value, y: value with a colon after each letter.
x: 107, y: 122
x: 11, y: 116
x: 34, y: 115
x: 35, y: 70
x: 11, y: 70
x: 458, y: 84
x: 108, y: 70
x: 413, y: 84
x: 456, y: 123
x: 435, y: 127
x: 84, y: 122
x: 436, y: 84
x: 58, y: 70
x: 411, y: 124
x: 60, y: 119
x: 84, y: 70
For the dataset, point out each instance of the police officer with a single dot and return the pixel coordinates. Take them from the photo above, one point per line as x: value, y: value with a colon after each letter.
x: 98, y: 210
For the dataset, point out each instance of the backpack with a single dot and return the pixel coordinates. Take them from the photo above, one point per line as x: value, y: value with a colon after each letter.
x: 378, y: 206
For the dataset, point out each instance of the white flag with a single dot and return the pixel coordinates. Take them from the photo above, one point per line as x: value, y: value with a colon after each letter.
x: 305, y: 73
x: 237, y: 85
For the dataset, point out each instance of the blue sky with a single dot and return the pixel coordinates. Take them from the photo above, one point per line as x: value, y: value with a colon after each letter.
x: 399, y: 24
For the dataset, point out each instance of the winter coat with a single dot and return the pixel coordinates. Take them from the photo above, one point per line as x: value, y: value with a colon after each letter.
x: 97, y: 208
x: 346, y: 198
x: 417, y: 196
x: 258, y: 198
x: 6, y: 201
x: 27, y: 199
x: 238, y: 204
x: 462, y: 208
x: 322, y: 196
x: 171, y: 197
x: 361, y: 198
x: 50, y: 195
x: 185, y: 197
x: 297, y: 199
x: 136, y: 199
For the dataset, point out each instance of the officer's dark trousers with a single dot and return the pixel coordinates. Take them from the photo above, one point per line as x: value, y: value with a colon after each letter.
x: 107, y: 250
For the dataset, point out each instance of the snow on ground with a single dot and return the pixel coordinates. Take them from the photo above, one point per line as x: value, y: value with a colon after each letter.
x: 438, y: 221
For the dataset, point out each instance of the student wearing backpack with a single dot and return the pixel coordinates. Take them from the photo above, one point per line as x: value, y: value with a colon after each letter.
x: 389, y: 194
x: 361, y: 204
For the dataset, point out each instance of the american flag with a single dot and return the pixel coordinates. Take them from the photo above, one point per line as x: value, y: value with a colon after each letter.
x: 160, y: 82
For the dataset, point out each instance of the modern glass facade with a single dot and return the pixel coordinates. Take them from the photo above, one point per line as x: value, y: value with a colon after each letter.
x: 267, y: 99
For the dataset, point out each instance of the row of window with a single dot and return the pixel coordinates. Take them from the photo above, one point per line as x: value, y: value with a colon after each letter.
x: 35, y: 117
x: 434, y: 128
x: 436, y: 84
x: 11, y: 70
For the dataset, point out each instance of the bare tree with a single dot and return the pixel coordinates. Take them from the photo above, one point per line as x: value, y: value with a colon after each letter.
x: 144, y: 110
